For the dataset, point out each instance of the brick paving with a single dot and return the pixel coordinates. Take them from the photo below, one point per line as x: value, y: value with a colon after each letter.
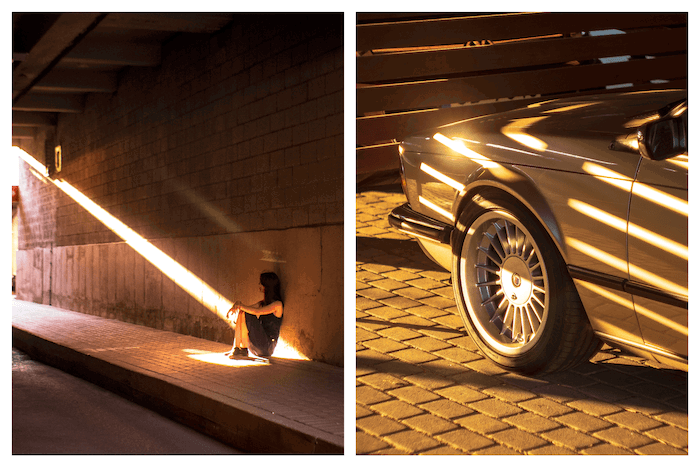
x: 422, y: 386
x: 295, y: 396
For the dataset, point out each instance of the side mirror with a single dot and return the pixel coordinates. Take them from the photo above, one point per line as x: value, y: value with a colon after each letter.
x: 664, y: 138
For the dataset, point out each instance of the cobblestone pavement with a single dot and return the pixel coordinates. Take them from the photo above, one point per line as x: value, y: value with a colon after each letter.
x: 422, y: 387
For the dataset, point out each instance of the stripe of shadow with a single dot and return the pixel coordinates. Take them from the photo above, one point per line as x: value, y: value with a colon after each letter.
x: 394, y: 252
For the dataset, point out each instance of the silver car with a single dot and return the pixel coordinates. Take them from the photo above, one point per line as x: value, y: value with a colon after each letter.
x: 564, y: 225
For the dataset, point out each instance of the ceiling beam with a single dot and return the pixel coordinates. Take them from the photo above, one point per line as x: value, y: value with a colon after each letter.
x: 169, y: 22
x: 104, y: 52
x: 63, y: 34
x: 20, y: 118
x: 23, y: 132
x: 77, y: 81
x: 66, y: 103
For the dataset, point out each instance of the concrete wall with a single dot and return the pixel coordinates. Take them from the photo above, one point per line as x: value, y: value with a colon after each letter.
x: 228, y: 157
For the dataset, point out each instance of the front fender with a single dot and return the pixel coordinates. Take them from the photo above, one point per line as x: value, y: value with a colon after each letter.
x: 520, y: 186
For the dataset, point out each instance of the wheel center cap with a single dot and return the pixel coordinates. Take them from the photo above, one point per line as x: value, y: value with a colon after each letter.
x: 516, y: 280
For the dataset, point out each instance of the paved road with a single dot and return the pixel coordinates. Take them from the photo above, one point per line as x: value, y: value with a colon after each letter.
x: 56, y: 413
x: 424, y: 388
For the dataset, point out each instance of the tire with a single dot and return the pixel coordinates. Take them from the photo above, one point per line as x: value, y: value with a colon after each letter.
x: 514, y: 291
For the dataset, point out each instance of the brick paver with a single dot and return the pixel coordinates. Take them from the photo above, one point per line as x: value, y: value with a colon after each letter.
x: 423, y: 387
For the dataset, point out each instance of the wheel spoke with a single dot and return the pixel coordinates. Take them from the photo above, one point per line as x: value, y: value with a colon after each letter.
x: 539, y: 302
x: 523, y: 324
x: 502, y: 237
x: 507, y: 318
x: 530, y: 255
x: 495, y: 258
x: 529, y: 319
x: 510, y: 237
x: 533, y: 310
x: 499, y: 311
x: 489, y: 268
x: 488, y: 283
x: 493, y: 297
x: 497, y: 247
x: 521, y: 241
x: 516, y: 322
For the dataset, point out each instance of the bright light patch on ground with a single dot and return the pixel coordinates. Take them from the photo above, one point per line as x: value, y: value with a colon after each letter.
x: 222, y: 359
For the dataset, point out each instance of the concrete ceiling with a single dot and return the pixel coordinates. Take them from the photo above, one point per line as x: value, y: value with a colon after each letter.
x: 58, y: 58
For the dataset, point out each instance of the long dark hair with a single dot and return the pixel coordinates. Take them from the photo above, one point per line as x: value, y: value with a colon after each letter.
x: 271, y: 283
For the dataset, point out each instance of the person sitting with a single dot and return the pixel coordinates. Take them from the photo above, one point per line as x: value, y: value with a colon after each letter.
x: 258, y: 325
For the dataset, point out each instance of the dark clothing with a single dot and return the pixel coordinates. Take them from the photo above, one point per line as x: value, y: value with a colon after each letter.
x: 263, y: 332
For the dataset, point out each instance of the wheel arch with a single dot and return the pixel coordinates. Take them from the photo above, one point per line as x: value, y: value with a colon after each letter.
x: 522, y: 189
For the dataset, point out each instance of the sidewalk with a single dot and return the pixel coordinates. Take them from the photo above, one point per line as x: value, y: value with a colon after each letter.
x: 284, y: 406
x: 423, y: 387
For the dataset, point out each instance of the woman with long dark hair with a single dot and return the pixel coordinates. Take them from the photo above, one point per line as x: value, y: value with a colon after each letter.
x: 258, y: 325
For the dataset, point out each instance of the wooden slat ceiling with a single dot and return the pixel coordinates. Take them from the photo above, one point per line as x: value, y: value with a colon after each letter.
x: 57, y: 59
x: 416, y: 71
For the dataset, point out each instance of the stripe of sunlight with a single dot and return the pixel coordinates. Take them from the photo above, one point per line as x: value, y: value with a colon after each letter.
x: 459, y: 147
x: 645, y: 191
x: 218, y: 358
x: 621, y: 265
x: 506, y: 148
x: 189, y: 282
x: 569, y: 108
x: 640, y: 309
x: 192, y: 284
x: 515, y: 130
x: 634, y: 230
x: 681, y: 161
x: 435, y: 208
x: 442, y: 177
x: 637, y: 122
x: 219, y: 217
x: 212, y: 212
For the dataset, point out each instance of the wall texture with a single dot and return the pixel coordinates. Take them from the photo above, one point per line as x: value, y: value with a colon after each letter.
x: 227, y: 157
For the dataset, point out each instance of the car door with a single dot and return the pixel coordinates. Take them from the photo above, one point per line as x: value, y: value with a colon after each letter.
x: 658, y: 252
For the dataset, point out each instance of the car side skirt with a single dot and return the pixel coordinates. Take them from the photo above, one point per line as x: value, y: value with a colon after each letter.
x: 643, y: 349
x: 629, y: 286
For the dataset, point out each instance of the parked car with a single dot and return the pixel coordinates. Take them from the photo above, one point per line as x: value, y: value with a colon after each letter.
x: 564, y: 225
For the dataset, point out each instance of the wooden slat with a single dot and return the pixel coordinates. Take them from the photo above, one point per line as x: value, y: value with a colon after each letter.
x: 426, y: 65
x: 396, y: 127
x: 434, y: 94
x: 501, y: 27
x: 377, y: 159
x: 375, y: 18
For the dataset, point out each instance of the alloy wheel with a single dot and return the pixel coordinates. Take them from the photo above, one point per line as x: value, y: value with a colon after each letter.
x: 504, y: 281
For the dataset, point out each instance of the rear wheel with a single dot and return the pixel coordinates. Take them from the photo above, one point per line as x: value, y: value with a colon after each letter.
x: 514, y: 292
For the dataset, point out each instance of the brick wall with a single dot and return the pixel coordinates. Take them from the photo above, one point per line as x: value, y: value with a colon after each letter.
x: 233, y: 145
